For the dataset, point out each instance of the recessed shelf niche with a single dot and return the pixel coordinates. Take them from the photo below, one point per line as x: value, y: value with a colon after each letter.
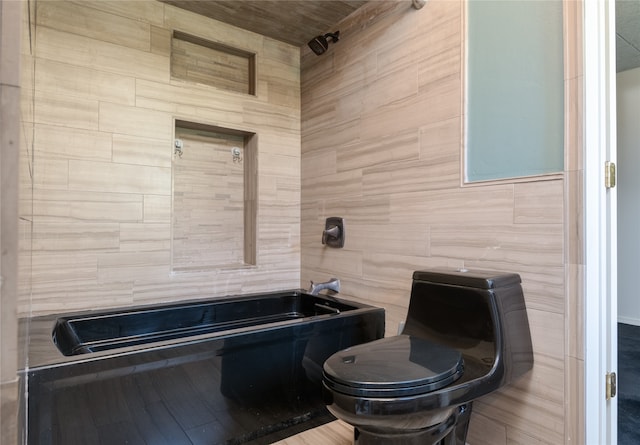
x: 198, y: 60
x: 214, y: 198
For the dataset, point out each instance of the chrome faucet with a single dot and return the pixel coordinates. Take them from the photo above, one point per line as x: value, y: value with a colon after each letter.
x: 333, y: 284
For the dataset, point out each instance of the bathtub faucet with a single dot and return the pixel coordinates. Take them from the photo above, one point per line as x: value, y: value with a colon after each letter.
x: 333, y: 284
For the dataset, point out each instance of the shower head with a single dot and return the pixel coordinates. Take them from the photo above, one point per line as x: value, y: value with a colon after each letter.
x: 320, y: 44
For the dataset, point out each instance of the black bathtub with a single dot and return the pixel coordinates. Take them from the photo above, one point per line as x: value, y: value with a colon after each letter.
x: 244, y: 369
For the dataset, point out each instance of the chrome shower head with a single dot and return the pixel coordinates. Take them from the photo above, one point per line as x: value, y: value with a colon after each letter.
x: 320, y: 44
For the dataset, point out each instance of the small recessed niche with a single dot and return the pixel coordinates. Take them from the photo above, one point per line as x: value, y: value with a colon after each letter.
x: 198, y: 60
x: 214, y: 198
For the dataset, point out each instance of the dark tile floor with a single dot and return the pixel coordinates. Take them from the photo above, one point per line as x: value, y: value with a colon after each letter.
x: 628, y: 384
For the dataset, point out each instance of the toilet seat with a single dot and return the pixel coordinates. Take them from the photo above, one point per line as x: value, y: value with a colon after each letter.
x: 393, y: 367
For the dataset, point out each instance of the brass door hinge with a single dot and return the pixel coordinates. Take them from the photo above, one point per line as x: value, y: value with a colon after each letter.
x: 612, y: 387
x: 609, y: 174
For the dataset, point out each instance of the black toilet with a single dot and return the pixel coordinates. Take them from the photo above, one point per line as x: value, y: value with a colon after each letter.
x: 466, y: 335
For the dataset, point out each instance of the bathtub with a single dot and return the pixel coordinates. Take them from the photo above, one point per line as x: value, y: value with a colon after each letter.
x: 241, y: 369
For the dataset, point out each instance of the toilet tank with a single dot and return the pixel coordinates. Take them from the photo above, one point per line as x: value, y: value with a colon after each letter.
x: 480, y: 313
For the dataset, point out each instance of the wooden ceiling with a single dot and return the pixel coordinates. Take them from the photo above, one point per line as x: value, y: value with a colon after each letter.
x: 291, y: 21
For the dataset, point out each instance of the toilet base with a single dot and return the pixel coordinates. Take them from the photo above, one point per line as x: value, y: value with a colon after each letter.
x: 453, y: 431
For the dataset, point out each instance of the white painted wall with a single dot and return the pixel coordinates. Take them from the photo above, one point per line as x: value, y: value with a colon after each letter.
x: 628, y: 109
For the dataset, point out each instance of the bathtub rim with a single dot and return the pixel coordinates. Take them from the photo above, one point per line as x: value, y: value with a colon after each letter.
x: 43, y: 353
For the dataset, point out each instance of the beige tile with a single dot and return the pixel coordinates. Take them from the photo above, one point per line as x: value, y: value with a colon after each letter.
x: 84, y: 206
x: 275, y: 141
x: 369, y: 210
x: 70, y: 80
x: 518, y: 437
x: 328, y: 260
x: 134, y: 121
x: 182, y: 286
x: 441, y: 139
x: 79, y: 295
x: 345, y: 184
x: 485, y: 431
x: 132, y: 266
x: 65, y: 266
x: 80, y: 19
x: 280, y: 92
x: 66, y: 111
x: 574, y: 226
x: 386, y: 24
x: 440, y: 66
x: 279, y: 165
x: 51, y: 174
x: 575, y: 310
x: 394, y: 147
x: 340, y: 134
x: 99, y: 55
x: 277, y: 52
x: 574, y: 401
x: 220, y: 107
x: 442, y: 32
x: 343, y: 81
x: 143, y: 237
x: 119, y: 178
x: 519, y: 410
x: 391, y: 87
x: 390, y: 267
x: 319, y: 164
x: 382, y: 239
x: 543, y: 284
x: 455, y: 207
x: 79, y: 237
x: 545, y: 380
x: 161, y: 41
x: 416, y: 176
x: 547, y: 331
x: 539, y: 202
x: 439, y: 103
x: 573, y: 123
x: 157, y: 208
x: 27, y: 90
x: 141, y: 150
x: 63, y: 143
x: 573, y: 31
x: 278, y: 212
x: 257, y: 114
x: 503, y: 243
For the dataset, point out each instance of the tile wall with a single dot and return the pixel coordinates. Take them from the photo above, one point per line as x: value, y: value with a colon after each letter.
x: 381, y: 146
x: 105, y: 105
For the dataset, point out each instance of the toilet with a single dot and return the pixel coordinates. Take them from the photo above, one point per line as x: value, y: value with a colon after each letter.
x: 466, y: 335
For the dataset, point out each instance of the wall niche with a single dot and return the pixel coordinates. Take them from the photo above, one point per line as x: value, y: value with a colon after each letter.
x: 197, y: 60
x: 214, y: 198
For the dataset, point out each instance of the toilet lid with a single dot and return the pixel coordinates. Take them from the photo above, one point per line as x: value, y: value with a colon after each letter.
x: 393, y: 367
